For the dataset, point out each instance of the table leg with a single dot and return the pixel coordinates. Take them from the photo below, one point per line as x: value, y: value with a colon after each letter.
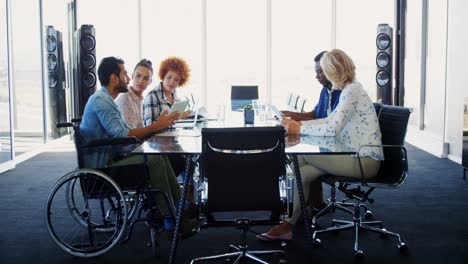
x: 189, y: 168
x: 300, y: 190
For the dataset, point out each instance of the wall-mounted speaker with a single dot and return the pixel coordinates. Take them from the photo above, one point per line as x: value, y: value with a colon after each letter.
x: 384, y: 61
x: 56, y: 80
x: 86, y: 78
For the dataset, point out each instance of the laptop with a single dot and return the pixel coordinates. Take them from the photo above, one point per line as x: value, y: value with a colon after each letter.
x: 242, y: 95
x: 187, y: 123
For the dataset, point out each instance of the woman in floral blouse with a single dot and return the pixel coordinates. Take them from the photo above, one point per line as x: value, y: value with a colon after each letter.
x: 353, y: 122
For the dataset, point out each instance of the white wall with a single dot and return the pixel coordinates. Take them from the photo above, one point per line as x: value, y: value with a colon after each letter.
x: 457, y: 75
x: 446, y: 76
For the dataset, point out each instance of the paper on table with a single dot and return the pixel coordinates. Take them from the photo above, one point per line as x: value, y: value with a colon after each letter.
x: 276, y: 112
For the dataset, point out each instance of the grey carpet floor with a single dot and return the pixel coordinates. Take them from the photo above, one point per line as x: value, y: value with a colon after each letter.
x: 430, y: 211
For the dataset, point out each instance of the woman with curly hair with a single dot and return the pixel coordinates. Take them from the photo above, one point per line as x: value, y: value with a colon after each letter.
x: 174, y: 72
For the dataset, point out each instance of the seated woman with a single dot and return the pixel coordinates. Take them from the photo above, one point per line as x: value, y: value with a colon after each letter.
x: 353, y: 122
x: 174, y: 72
x: 127, y: 116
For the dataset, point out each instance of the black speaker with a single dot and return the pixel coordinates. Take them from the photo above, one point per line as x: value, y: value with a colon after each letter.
x: 56, y: 80
x: 86, y: 78
x: 384, y: 61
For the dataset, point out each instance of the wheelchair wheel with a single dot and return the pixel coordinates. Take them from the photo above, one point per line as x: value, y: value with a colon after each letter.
x: 85, y: 213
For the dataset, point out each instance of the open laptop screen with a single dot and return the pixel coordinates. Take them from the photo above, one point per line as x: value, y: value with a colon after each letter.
x: 244, y: 92
x: 242, y: 95
x: 187, y: 123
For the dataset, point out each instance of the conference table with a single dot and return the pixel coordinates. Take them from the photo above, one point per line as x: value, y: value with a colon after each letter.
x: 188, y: 142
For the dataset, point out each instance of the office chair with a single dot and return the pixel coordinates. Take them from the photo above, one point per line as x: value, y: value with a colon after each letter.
x: 88, y: 209
x: 332, y: 204
x: 288, y: 98
x: 293, y: 102
x: 244, y: 169
x: 301, y: 101
x: 393, y: 122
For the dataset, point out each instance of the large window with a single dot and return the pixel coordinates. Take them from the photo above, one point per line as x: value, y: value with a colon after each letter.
x: 5, y: 135
x: 173, y: 28
x: 27, y: 86
x: 300, y: 30
x: 436, y: 67
x: 236, y: 47
x: 413, y: 60
x: 356, y: 31
x: 116, y: 26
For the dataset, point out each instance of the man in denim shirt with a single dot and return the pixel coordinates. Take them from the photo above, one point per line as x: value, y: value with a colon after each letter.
x: 102, y: 119
x: 328, y: 100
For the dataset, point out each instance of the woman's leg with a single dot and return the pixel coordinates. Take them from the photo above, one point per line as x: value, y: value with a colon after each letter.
x: 283, y: 231
x: 309, y: 174
x: 348, y: 166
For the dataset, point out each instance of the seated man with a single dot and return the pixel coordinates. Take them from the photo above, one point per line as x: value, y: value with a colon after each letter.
x: 329, y: 99
x: 102, y: 119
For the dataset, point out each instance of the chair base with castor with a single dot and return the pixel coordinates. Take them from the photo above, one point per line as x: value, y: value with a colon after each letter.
x: 242, y: 251
x: 357, y: 224
x: 333, y: 205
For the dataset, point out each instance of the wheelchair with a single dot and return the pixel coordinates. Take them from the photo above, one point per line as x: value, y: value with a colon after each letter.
x: 88, y: 210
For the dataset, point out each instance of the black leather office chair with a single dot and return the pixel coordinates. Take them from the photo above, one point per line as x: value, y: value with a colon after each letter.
x: 333, y: 204
x: 393, y: 121
x: 244, y: 168
x: 88, y: 209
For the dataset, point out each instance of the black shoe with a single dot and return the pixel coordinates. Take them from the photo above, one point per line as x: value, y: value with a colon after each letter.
x: 188, y: 228
x: 191, y: 211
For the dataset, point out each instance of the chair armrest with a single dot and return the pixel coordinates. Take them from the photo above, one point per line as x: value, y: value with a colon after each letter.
x: 76, y: 120
x: 112, y: 142
x: 375, y: 146
x: 62, y: 125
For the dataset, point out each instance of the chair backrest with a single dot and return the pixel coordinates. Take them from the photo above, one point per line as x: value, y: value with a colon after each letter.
x: 377, y: 107
x: 393, y: 122
x: 300, y: 104
x: 288, y: 98
x: 293, y: 102
x: 243, y: 167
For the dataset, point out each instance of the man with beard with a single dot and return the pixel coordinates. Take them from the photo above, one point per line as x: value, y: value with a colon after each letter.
x: 328, y: 100
x: 102, y: 119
